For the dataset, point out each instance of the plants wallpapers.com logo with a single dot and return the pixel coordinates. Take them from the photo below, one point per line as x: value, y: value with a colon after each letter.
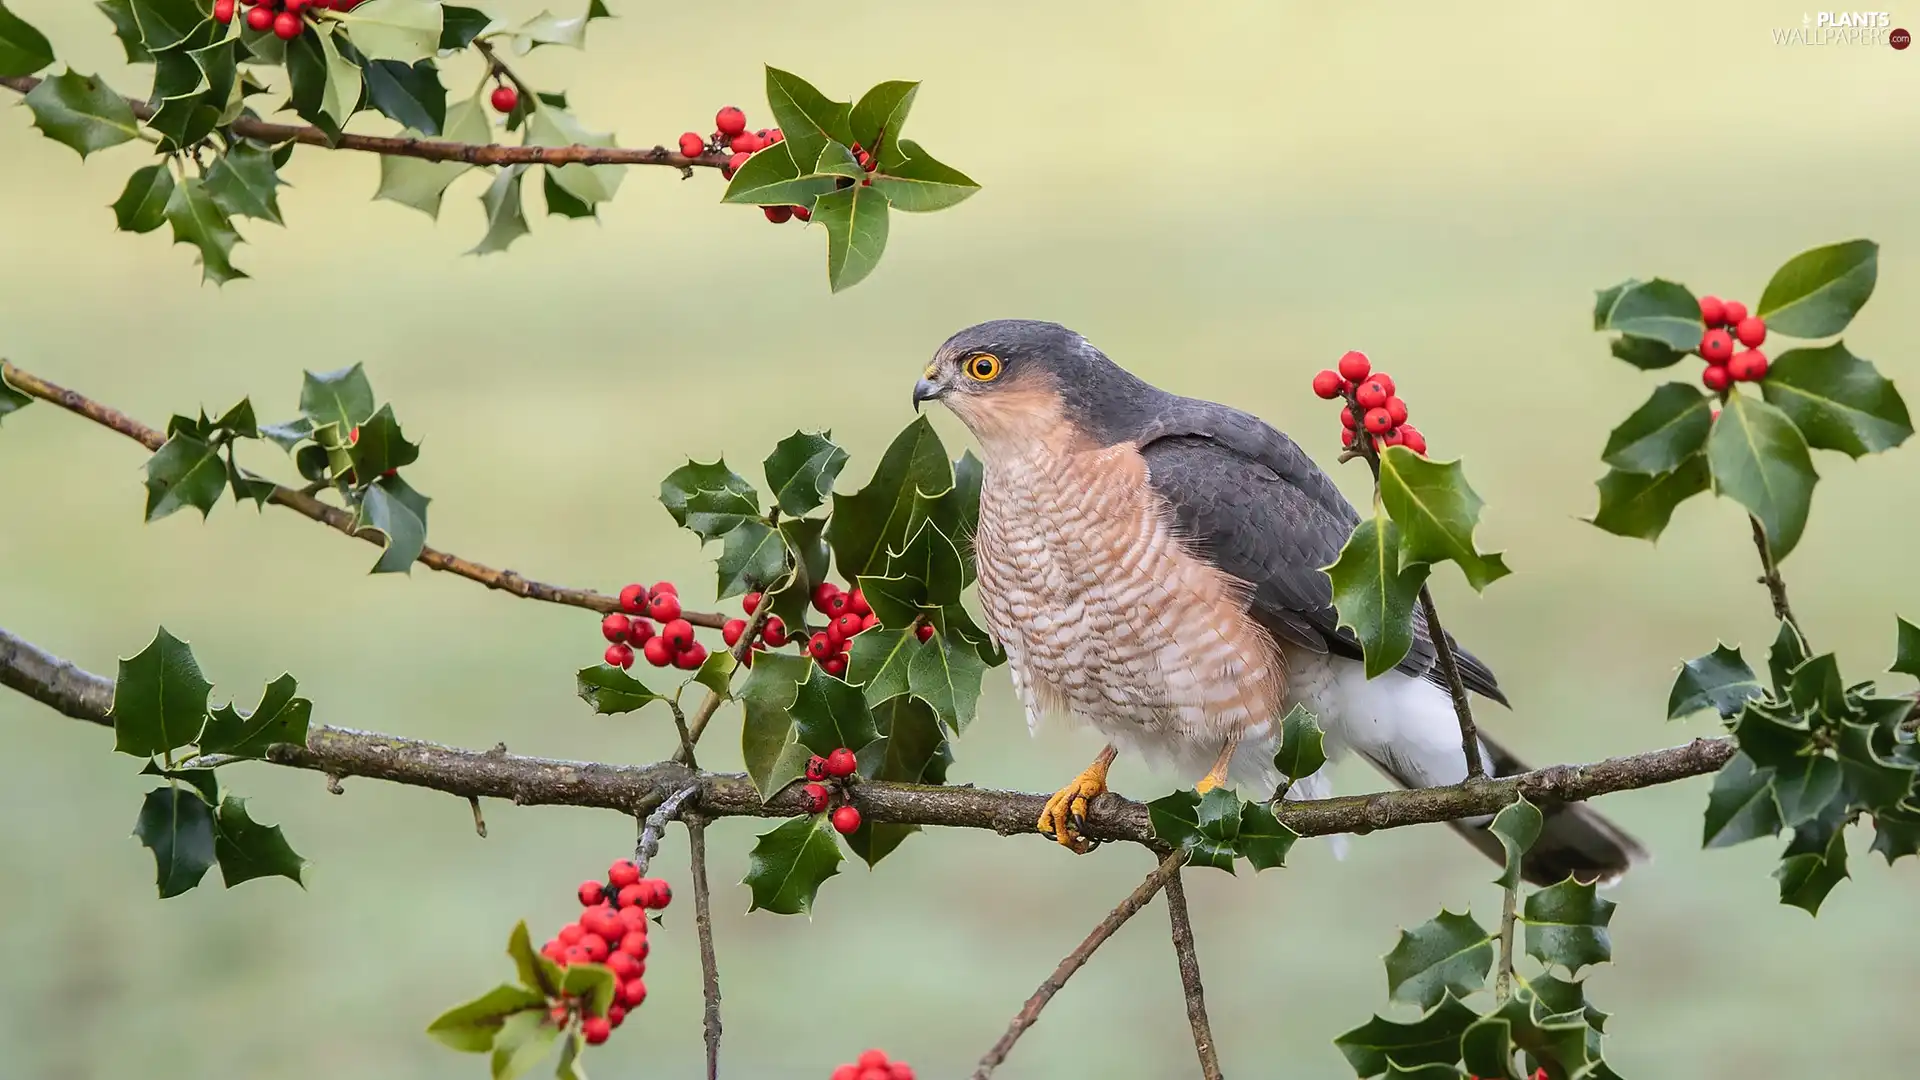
x: 1874, y: 28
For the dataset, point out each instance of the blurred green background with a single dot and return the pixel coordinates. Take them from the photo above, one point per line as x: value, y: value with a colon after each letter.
x: 1224, y: 197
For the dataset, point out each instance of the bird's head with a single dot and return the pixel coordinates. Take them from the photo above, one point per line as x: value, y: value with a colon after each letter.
x: 1018, y: 379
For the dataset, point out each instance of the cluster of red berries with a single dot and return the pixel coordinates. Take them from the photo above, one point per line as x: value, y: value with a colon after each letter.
x: 1727, y: 322
x: 731, y: 135
x: 826, y: 776
x: 280, y: 16
x: 873, y: 1065
x: 1371, y: 405
x: 612, y: 931
x: 847, y: 616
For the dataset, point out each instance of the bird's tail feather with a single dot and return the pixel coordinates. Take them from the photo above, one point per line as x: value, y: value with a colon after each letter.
x: 1575, y: 840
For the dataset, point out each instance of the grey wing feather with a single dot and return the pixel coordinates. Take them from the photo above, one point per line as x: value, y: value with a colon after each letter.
x: 1253, y: 502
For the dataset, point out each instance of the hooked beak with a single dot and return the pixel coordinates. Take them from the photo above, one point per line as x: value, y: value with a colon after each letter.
x: 926, y: 390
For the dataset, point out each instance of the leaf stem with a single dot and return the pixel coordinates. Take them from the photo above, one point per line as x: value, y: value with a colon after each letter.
x: 1770, y: 577
x: 1503, y: 981
x: 1450, y: 668
x: 495, y: 64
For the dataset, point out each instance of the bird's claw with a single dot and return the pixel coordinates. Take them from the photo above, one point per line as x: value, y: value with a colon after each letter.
x: 1066, y: 811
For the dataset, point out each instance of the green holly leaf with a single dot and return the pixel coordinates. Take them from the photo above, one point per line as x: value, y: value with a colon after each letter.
x: 856, y: 222
x: 754, y: 557
x: 807, y: 119
x: 920, y: 184
x: 829, y: 713
x: 1741, y: 806
x: 1447, y: 954
x: 547, y: 28
x: 1760, y: 460
x: 166, y: 23
x: 177, y: 826
x: 402, y: 30
x: 560, y: 203
x: 1720, y: 680
x: 1875, y: 778
x: 205, y: 781
x: 1516, y: 826
x: 197, y: 220
x: 1374, y: 594
x: 1436, y: 512
x: 879, y: 660
x: 381, y: 445
x: 1486, y: 1049
x: 1645, y: 353
x: 247, y: 849
x: 1661, y: 310
x: 1640, y: 506
x: 127, y: 29
x: 612, y: 691
x: 912, y: 749
x: 789, y: 863
x: 23, y: 50
x: 472, y: 1026
x: 710, y: 500
x: 159, y: 698
x: 1207, y: 826
x: 195, y: 86
x: 945, y: 672
x: 877, y: 517
x: 1302, y: 748
x: 590, y: 184
x: 240, y: 420
x: 1906, y: 654
x: 1814, y: 862
x: 771, y: 177
x: 769, y: 739
x: 1815, y: 690
x: 420, y: 184
x: 537, y: 973
x: 1567, y: 925
x: 1663, y: 433
x: 801, y: 471
x: 184, y: 472
x: 280, y: 718
x: 1264, y: 839
x: 289, y: 434
x: 1433, y: 1039
x: 506, y: 218
x: 592, y: 984
x: 523, y: 1041
x: 1559, y: 1042
x: 410, y: 95
x: 1896, y: 835
x: 142, y: 206
x: 82, y: 111
x: 1771, y: 734
x: 340, y: 90
x: 242, y: 183
x: 573, y: 1045
x: 806, y: 544
x: 1817, y: 293
x: 1788, y: 652
x: 881, y: 112
x: 397, y: 513
x: 460, y: 25
x: 1837, y: 400
x: 1803, y: 788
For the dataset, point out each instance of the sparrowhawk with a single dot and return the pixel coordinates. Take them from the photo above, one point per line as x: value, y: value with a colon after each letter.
x: 1152, y: 565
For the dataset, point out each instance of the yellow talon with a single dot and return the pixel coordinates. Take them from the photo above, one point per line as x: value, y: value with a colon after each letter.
x: 1217, y: 775
x: 1067, y: 809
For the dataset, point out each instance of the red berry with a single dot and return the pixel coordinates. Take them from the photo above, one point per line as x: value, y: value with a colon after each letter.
x: 640, y: 632
x: 1411, y: 438
x: 623, y: 873
x: 260, y: 19
x: 596, y: 1029
x: 841, y: 763
x: 839, y: 604
x: 633, y: 992
x: 816, y: 768
x: 1751, y: 332
x: 552, y: 950
x: 601, y: 919
x: 774, y: 136
x: 1748, y: 366
x: 691, y: 658
x: 846, y: 625
x: 801, y: 213
x: 575, y: 954
x: 570, y: 933
x: 662, y: 895
x: 663, y: 587
x: 664, y: 607
x: 692, y: 145
x: 1716, y: 378
x: 1377, y: 422
x: 617, y: 1013
x: 881, y: 1072
x: 899, y: 1070
x: 822, y: 593
x: 558, y: 1014
x: 1735, y: 312
x: 774, y: 632
x: 678, y: 635
x: 923, y: 632
x: 1354, y: 366
x: 821, y: 645
x: 590, y: 893
x: 731, y: 121
x: 733, y: 631
x: 634, y: 944
x: 847, y: 1072
x: 619, y: 655
x: 1716, y: 346
x: 287, y: 26
x: 633, y: 599
x: 1327, y: 384
x: 871, y: 1059
x: 1372, y: 394
x: 505, y: 98
x: 632, y: 918
x: 223, y: 11
x: 616, y: 627
x: 817, y: 797
x: 746, y: 143
x: 1391, y: 438
x: 596, y: 947
x: 623, y: 966
x: 657, y: 651
x: 779, y: 215
x: 857, y: 602
x: 835, y: 666
x: 846, y: 820
x: 750, y: 603
x: 634, y: 895
x: 1385, y: 380
x: 1397, y: 409
x: 1347, y: 419
x: 1346, y: 437
x: 868, y: 622
x: 1712, y: 311
x: 737, y: 160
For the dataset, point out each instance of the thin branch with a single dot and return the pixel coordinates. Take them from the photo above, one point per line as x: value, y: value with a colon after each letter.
x: 1503, y: 982
x: 690, y: 732
x: 1190, y: 977
x: 1450, y: 668
x: 437, y: 149
x: 703, y: 925
x: 531, y: 781
x: 302, y: 502
x: 479, y: 819
x: 498, y: 65
x: 648, y: 844
x: 1076, y: 959
x: 1770, y: 577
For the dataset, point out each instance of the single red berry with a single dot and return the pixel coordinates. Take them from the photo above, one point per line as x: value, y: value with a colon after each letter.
x: 570, y: 933
x: 622, y: 965
x: 846, y: 820
x: 1748, y: 366
x: 1372, y: 394
x: 596, y: 1029
x: 590, y: 893
x: 733, y: 631
x: 774, y: 632
x: 923, y: 632
x: 1397, y: 409
x: 616, y: 627
x: 1327, y: 384
x: 817, y: 797
x: 774, y: 136
x: 1713, y: 311
x: 1716, y: 378
x: 1347, y: 419
x: 880, y: 1072
x: 821, y: 645
x: 633, y: 992
x: 552, y: 949
x: 899, y: 1070
x: 633, y: 599
x: 822, y: 593
x: 505, y: 98
x: 1736, y: 312
x: 634, y: 944
x: 1346, y: 437
x: 623, y: 873
x: 223, y: 11
x: 657, y: 651
x: 1391, y: 438
x: 1354, y: 366
x: 779, y: 215
x: 871, y: 1059
x: 835, y: 666
x: 297, y: 6
x: 678, y: 635
x: 846, y: 625
x: 634, y: 895
x: 847, y: 1072
x: 557, y: 1014
x: 738, y: 159
x: 750, y: 603
x: 575, y: 954
x: 617, y: 1013
x: 731, y: 121
x: 868, y: 622
x: 1751, y: 331
x: 691, y: 659
x: 857, y: 602
x: 260, y: 19
x: 640, y: 632
x: 1411, y: 438
x: 663, y: 587
x: 287, y: 26
x: 1385, y: 380
x: 619, y: 654
x: 692, y: 145
x: 1716, y: 346
x: 839, y: 604
x: 602, y: 919
x: 801, y: 213
x: 1377, y: 422
x: 632, y: 918
x: 745, y: 143
x: 595, y: 945
x: 662, y: 895
x: 664, y: 607
x: 841, y: 763
x: 816, y: 768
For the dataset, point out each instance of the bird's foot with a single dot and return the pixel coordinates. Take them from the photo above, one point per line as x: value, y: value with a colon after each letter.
x: 1067, y: 810
x: 1208, y: 783
x: 1217, y: 775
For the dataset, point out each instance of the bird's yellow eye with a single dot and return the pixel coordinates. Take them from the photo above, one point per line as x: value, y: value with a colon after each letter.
x: 983, y: 367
